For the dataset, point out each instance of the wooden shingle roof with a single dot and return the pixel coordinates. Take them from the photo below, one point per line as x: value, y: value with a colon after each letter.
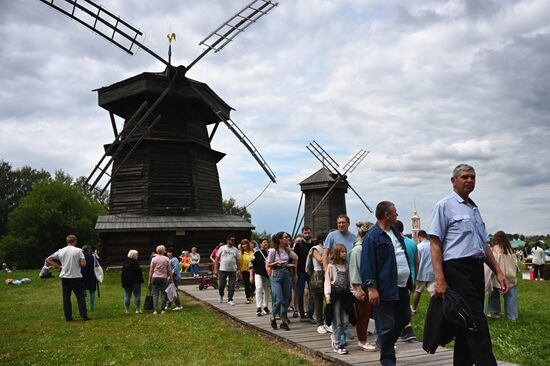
x: 110, y: 223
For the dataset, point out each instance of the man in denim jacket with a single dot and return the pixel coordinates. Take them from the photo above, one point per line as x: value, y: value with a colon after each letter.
x: 386, y: 273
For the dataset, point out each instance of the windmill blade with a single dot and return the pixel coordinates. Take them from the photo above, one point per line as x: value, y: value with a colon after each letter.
x: 323, y: 156
x: 248, y: 144
x: 295, y: 228
x: 143, y: 113
x: 240, y: 135
x: 235, y: 25
x: 105, y: 23
x: 114, y: 148
x: 129, y: 153
x: 361, y: 198
x: 355, y: 161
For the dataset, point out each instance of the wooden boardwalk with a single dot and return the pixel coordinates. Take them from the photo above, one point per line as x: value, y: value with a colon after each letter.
x: 304, y: 335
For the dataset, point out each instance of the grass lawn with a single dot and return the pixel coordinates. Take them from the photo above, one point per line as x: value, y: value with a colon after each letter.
x: 34, y: 331
x: 525, y: 341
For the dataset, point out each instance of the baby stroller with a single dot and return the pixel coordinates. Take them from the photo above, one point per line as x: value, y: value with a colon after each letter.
x: 208, y: 280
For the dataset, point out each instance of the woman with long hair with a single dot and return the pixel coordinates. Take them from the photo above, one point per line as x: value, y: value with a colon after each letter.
x: 247, y: 253
x: 260, y: 278
x: 506, y: 259
x: 278, y: 264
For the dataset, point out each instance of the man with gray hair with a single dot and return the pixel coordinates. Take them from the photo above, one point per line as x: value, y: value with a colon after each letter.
x: 458, y: 244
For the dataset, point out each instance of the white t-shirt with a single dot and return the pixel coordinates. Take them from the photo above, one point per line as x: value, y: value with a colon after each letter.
x: 538, y: 255
x: 70, y: 261
x: 403, y: 271
x: 228, y: 258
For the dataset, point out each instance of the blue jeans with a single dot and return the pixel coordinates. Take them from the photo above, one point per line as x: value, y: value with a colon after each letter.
x: 194, y: 269
x: 340, y: 320
x: 510, y: 302
x: 390, y: 318
x: 280, y: 286
x: 300, y: 289
x: 136, y: 289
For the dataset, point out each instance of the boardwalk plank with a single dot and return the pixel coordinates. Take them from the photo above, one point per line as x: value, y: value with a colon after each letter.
x: 304, y: 335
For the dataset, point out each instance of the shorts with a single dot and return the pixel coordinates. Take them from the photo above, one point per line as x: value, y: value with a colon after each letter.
x: 428, y: 285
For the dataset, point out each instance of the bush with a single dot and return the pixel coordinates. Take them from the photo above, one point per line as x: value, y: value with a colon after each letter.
x: 42, y: 220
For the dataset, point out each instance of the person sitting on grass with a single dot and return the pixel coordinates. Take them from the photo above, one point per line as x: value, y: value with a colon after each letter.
x: 45, y: 272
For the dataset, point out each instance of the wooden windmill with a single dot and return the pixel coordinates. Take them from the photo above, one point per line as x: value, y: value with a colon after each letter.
x: 325, y: 190
x: 163, y: 176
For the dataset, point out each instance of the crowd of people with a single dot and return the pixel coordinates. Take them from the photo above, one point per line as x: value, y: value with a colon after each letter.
x: 342, y: 278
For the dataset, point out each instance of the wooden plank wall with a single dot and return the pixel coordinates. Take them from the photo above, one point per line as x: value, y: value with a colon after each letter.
x: 115, y: 246
x: 325, y: 217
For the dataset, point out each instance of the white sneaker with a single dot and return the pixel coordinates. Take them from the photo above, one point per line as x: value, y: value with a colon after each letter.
x: 321, y: 329
x: 368, y: 347
x: 155, y: 312
x: 177, y: 308
x: 329, y: 328
x: 221, y: 300
x: 230, y: 302
x: 162, y: 312
x: 342, y: 351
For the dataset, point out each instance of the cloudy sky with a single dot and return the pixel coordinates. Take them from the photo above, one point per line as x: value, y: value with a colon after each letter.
x: 422, y: 85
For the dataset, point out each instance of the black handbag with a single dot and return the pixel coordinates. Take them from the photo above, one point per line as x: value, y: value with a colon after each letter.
x: 148, y: 303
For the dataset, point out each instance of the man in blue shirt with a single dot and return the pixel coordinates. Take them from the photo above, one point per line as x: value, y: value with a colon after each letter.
x: 385, y: 272
x: 340, y: 236
x: 458, y: 243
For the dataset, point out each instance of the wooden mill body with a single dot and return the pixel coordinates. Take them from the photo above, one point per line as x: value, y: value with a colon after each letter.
x: 314, y: 188
x: 168, y: 190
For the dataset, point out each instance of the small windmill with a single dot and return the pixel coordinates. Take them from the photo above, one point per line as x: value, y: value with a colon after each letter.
x: 325, y: 190
x: 163, y: 175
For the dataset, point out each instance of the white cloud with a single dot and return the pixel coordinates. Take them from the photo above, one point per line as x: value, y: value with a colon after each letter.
x: 422, y: 85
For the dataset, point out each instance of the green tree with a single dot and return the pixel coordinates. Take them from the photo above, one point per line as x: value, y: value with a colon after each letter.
x: 15, y: 184
x: 257, y: 235
x: 43, y: 218
x: 230, y: 208
x: 94, y: 194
